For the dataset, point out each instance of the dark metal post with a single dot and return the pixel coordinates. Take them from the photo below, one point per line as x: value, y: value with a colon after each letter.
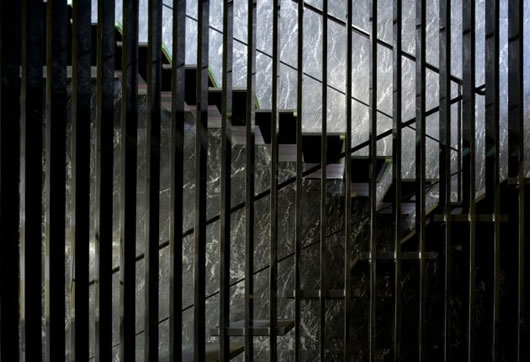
x: 9, y: 185
x: 249, y: 180
x: 516, y: 145
x: 129, y: 134
x: 31, y: 118
x: 299, y: 181
x: 81, y: 89
x: 396, y: 170
x: 323, y: 180
x: 460, y: 141
x: 56, y: 104
x: 104, y: 177
x: 273, y: 257
x: 201, y: 154
x: 445, y: 158
x: 468, y: 162
x: 492, y: 154
x: 176, y: 179
x: 347, y: 184
x: 152, y: 181
x: 226, y: 172
x: 420, y: 164
x: 372, y: 184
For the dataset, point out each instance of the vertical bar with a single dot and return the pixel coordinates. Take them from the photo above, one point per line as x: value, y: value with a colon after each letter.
x: 201, y: 154
x: 420, y: 164
x: 459, y: 140
x: 226, y: 172
x: 396, y: 171
x: 347, y: 184
x: 177, y: 180
x: 249, y: 180
x: 468, y: 150
x: 129, y: 135
x: 492, y: 154
x: 56, y: 102
x: 31, y: 119
x: 273, y: 262
x: 516, y: 144
x: 104, y: 177
x: 81, y: 89
x: 323, y: 179
x: 445, y: 159
x: 372, y: 184
x: 299, y: 181
x: 152, y: 181
x: 9, y: 185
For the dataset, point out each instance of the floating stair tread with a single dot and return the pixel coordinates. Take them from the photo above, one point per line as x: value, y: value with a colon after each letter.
x: 261, y: 327
x: 360, y: 166
x: 405, y: 256
x: 408, y: 189
x: 466, y: 218
x: 212, y: 352
x: 312, y: 150
x: 315, y: 294
x: 286, y: 152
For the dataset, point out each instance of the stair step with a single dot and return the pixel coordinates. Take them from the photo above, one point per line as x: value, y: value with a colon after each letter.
x: 261, y: 327
x: 360, y: 168
x: 408, y: 189
x: 312, y: 142
x: 466, y: 218
x: 211, y: 353
x: 286, y: 125
x: 315, y: 294
x: 286, y: 153
x: 239, y: 103
x: 405, y: 256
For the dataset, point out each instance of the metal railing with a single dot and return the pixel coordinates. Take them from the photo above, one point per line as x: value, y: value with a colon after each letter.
x: 34, y: 113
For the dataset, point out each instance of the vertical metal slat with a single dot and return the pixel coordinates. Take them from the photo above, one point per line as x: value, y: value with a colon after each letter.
x: 226, y: 172
x: 81, y: 90
x: 420, y: 165
x: 492, y: 155
x: 31, y: 117
x: 273, y: 257
x: 372, y: 182
x: 445, y: 159
x: 105, y: 86
x: 129, y: 135
x: 152, y: 181
x: 323, y: 180
x: 249, y: 180
x: 56, y: 103
x: 516, y: 146
x: 299, y: 181
x: 201, y: 154
x: 176, y: 179
x: 468, y: 162
x: 396, y: 171
x: 347, y: 184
